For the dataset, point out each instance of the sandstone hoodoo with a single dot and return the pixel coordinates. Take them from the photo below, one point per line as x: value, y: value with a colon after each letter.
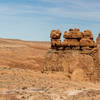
x: 72, y: 38
x: 76, y: 54
x: 98, y: 46
x: 55, y: 39
x: 98, y: 39
x: 87, y: 41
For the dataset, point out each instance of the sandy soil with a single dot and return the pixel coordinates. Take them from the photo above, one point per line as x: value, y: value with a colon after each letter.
x: 26, y: 84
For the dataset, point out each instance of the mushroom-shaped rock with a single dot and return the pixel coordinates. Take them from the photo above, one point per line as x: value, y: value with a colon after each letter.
x: 88, y: 33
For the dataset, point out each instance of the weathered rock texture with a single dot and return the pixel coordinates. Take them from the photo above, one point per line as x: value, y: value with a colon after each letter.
x: 98, y: 54
x: 55, y: 39
x: 76, y: 56
x: 98, y: 46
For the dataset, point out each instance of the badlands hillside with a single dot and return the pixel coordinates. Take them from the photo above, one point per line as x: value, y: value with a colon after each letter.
x: 22, y: 54
x: 21, y: 76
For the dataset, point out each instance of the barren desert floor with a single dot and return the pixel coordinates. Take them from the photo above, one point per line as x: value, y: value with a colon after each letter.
x: 21, y: 76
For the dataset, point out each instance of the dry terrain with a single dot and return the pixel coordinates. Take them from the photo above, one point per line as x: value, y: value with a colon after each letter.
x: 22, y: 54
x: 21, y: 63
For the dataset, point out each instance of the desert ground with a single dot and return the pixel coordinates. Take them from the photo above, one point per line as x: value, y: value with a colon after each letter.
x: 21, y: 76
x: 22, y: 54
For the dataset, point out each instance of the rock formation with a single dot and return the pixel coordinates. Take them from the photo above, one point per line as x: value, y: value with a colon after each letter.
x: 98, y: 39
x: 72, y: 38
x: 98, y: 54
x: 76, y: 54
x: 55, y: 39
x: 98, y: 46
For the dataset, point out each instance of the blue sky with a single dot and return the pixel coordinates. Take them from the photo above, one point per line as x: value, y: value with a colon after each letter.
x: 34, y: 19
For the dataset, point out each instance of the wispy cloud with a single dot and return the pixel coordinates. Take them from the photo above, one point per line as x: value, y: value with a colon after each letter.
x: 53, y: 12
x: 76, y: 10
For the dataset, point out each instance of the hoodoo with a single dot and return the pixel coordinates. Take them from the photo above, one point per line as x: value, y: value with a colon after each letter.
x: 55, y: 39
x: 98, y: 46
x: 77, y: 55
x: 73, y: 39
